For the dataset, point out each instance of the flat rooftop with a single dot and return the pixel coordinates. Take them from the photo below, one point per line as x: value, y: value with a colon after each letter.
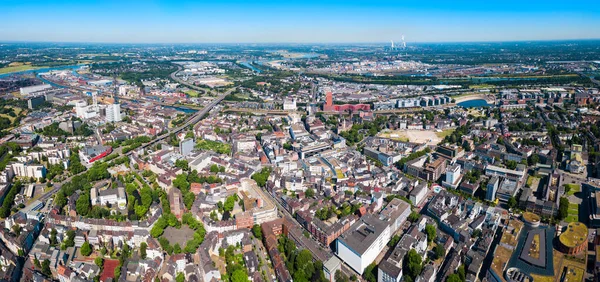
x: 575, y: 235
x: 363, y: 233
x: 528, y: 258
x: 533, y: 251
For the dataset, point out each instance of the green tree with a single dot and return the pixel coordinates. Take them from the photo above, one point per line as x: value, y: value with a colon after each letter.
x: 413, y: 264
x: 563, y: 208
x: 117, y: 273
x: 86, y: 249
x: 512, y: 202
x: 430, y: 230
x: 392, y: 243
x: 453, y: 278
x: 239, y: 275
x: 262, y: 176
x: 181, y: 183
x: 439, y: 251
x: 182, y: 164
x: 46, y: 268
x: 177, y: 248
x: 60, y: 199
x: 70, y: 240
x: 461, y: 272
x: 82, y: 205
x: 287, y: 146
x: 534, y: 159
x: 413, y: 217
x: 143, y: 247
x: 511, y: 164
x: 309, y: 193
x: 370, y: 273
x: 229, y: 203
x: 188, y: 200
x: 304, y: 262
x: 53, y: 240
x: 180, y: 277
x: 99, y: 261
x: 257, y: 231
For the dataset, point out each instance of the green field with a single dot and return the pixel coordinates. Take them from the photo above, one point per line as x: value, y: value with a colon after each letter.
x: 17, y: 69
x: 444, y: 133
x: 192, y: 93
x: 571, y: 189
x: 573, y: 213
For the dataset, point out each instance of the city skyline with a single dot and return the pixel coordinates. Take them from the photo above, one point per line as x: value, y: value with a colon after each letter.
x: 296, y: 22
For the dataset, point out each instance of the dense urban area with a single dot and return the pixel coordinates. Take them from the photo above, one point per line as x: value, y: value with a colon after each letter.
x: 300, y: 162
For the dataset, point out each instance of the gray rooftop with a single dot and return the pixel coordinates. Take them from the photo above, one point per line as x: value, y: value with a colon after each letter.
x: 363, y: 233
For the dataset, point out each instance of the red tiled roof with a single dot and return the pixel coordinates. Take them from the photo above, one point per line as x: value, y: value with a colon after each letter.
x: 362, y: 211
x: 109, y: 269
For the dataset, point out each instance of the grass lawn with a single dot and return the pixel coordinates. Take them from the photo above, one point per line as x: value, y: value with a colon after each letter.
x: 17, y: 112
x: 573, y: 214
x: 530, y: 180
x: 571, y: 189
x: 221, y: 148
x: 17, y: 68
x: 444, y: 133
x: 192, y: 93
x: 572, y: 218
x: 541, y: 278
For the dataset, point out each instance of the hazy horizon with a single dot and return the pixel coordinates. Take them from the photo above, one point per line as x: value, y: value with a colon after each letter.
x: 299, y: 43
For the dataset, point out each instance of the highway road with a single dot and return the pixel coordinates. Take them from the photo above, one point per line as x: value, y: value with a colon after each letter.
x: 174, y: 77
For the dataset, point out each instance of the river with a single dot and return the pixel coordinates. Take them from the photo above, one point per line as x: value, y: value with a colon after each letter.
x: 250, y: 66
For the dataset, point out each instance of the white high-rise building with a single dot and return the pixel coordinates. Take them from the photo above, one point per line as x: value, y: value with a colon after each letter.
x: 113, y: 113
x: 453, y: 176
x: 83, y: 111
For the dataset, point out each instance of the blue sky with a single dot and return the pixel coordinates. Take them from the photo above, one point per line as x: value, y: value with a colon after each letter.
x: 154, y: 21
